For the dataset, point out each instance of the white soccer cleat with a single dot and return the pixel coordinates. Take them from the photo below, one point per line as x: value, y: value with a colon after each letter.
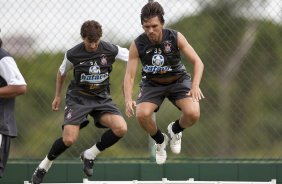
x: 161, y: 151
x: 175, y: 142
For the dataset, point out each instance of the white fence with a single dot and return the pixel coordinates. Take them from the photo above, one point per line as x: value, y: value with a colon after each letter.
x: 166, y: 181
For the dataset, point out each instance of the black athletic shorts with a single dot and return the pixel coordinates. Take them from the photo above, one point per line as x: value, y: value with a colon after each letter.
x: 4, y: 152
x: 78, y: 107
x: 153, y: 92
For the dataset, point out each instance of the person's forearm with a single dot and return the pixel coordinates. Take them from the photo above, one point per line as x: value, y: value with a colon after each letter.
x: 127, y: 89
x: 198, y: 72
x: 59, y: 84
x: 11, y: 91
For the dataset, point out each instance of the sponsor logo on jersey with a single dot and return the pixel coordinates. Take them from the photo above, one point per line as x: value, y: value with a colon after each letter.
x: 94, y: 75
x: 98, y: 78
x: 95, y: 69
x: 157, y: 60
x: 157, y: 65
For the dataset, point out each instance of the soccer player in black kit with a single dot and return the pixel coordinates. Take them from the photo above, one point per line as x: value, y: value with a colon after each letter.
x: 12, y: 84
x: 87, y: 94
x: 163, y: 76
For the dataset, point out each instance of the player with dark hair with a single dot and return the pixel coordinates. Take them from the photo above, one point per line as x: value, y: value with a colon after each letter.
x: 163, y: 76
x: 87, y: 94
x: 12, y: 84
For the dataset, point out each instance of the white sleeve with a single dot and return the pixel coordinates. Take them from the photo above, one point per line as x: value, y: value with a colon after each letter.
x: 65, y: 66
x: 122, y: 54
x: 10, y: 71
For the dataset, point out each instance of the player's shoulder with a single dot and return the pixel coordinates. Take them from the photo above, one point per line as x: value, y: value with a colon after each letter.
x: 142, y: 39
x: 77, y: 49
x: 142, y: 36
x: 108, y: 46
x: 170, y: 32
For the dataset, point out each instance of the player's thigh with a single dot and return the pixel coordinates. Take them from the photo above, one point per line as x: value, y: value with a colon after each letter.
x: 70, y: 132
x: 145, y: 109
x: 188, y: 106
x: 112, y: 120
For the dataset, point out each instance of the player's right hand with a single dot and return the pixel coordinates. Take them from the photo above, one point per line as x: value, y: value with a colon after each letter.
x: 130, y: 107
x: 56, y: 104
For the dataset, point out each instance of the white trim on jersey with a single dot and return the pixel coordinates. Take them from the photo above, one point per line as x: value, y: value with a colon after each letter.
x: 65, y: 66
x: 10, y: 71
x: 122, y: 54
x: 0, y: 140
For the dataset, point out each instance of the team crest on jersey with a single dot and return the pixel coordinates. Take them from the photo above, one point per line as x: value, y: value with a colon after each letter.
x: 69, y: 114
x: 104, y: 60
x: 167, y: 46
x: 95, y: 69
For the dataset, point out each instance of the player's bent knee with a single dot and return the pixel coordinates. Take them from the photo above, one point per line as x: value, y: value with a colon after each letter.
x: 69, y: 141
x: 194, y: 117
x: 142, y: 116
x: 120, y: 130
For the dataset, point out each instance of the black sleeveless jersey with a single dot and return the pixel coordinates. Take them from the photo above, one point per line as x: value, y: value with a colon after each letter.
x: 160, y: 60
x: 92, y: 69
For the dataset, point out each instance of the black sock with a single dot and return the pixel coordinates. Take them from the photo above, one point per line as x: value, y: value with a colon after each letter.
x: 108, y: 139
x: 176, y: 128
x: 158, y: 137
x: 57, y: 148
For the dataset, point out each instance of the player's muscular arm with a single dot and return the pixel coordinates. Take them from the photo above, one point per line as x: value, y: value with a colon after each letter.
x: 129, y: 79
x: 193, y: 57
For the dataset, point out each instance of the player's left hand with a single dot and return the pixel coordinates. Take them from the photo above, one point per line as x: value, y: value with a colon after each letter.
x: 196, y: 94
x: 129, y: 108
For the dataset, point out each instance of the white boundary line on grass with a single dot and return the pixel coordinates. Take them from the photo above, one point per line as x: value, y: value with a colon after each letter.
x: 166, y: 181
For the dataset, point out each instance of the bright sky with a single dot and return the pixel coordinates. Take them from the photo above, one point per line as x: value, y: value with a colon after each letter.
x: 55, y: 24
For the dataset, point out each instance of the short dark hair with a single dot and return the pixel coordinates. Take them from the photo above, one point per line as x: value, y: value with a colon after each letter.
x: 150, y: 10
x: 92, y: 30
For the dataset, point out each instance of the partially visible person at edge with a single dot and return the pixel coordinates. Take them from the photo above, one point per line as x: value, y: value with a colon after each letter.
x: 87, y: 94
x: 163, y: 76
x: 12, y: 84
